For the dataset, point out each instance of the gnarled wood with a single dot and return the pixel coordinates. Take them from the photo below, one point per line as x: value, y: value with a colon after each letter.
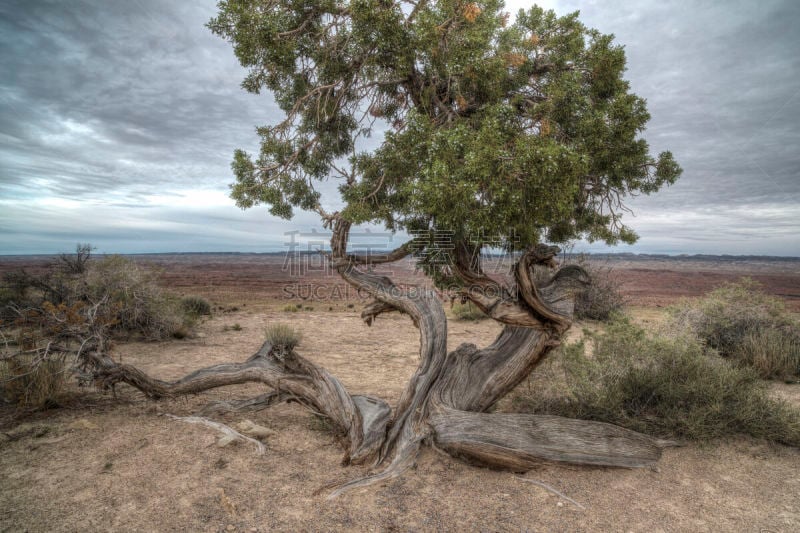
x: 360, y: 421
x: 446, y: 400
x: 519, y: 441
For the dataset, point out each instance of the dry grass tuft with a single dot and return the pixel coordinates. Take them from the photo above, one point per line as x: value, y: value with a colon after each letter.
x: 33, y: 384
x: 282, y: 336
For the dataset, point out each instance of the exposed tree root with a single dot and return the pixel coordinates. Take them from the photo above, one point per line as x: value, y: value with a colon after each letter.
x: 446, y: 400
x: 222, y: 428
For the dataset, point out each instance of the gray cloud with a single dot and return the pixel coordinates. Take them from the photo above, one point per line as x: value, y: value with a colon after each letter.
x: 119, y: 120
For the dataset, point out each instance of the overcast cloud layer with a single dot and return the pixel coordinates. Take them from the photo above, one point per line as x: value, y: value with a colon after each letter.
x: 118, y: 120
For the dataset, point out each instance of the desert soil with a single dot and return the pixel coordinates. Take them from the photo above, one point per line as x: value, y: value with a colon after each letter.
x: 106, y: 463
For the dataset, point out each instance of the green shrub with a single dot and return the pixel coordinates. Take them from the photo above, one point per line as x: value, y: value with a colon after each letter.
x: 746, y: 325
x: 195, y: 305
x: 467, y: 311
x: 290, y: 308
x: 773, y: 353
x: 667, y: 386
x: 282, y: 336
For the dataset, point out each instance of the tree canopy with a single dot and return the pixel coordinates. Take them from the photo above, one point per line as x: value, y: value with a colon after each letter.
x: 503, y: 131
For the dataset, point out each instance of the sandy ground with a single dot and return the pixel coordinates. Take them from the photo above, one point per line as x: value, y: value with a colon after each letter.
x: 121, y: 464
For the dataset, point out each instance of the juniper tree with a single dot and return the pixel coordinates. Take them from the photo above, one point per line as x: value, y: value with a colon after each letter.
x: 515, y: 132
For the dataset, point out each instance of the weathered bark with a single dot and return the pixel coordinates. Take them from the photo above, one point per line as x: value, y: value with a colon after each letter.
x: 446, y: 401
x: 359, y: 421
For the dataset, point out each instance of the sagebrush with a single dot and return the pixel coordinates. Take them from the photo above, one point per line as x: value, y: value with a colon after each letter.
x: 745, y: 324
x: 667, y: 386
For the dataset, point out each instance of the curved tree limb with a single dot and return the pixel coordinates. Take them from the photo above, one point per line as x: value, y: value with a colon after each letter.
x: 525, y: 307
x: 360, y: 421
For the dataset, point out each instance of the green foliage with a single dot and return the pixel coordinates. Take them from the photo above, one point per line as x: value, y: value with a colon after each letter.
x: 195, y: 305
x: 289, y: 308
x: 282, y: 336
x: 746, y: 325
x: 668, y: 386
x: 521, y: 132
x: 467, y: 311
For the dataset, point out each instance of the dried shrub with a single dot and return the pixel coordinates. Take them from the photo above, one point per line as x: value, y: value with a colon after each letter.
x: 74, y: 308
x: 667, y: 386
x: 602, y: 299
x: 142, y: 306
x: 31, y: 382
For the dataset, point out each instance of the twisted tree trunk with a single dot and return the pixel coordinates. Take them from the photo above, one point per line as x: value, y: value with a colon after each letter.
x: 446, y: 402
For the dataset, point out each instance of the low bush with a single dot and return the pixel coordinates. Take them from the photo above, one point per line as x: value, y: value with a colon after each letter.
x: 667, y: 386
x: 142, y: 307
x: 467, y: 311
x: 290, y: 308
x: 195, y: 305
x: 746, y: 325
x: 282, y: 336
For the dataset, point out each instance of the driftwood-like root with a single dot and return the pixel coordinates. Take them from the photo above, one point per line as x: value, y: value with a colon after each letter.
x: 446, y: 401
x: 222, y: 428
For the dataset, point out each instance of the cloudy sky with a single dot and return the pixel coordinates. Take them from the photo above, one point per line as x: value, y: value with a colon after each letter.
x: 118, y: 119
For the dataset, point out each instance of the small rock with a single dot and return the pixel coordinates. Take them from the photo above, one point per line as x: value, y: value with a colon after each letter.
x: 560, y: 504
x: 82, y: 423
x: 230, y: 527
